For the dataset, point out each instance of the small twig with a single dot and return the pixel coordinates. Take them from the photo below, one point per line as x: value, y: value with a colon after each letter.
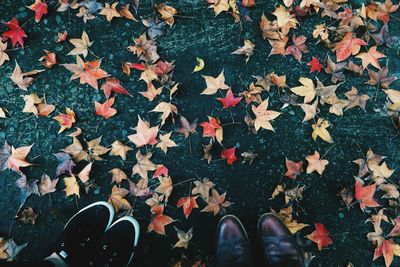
x: 327, y: 151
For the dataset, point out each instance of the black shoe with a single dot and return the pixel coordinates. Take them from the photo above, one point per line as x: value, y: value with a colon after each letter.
x: 119, y: 242
x: 279, y: 247
x: 232, y: 244
x: 81, y: 237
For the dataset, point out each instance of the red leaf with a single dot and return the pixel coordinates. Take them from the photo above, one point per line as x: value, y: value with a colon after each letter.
x: 385, y: 250
x: 315, y: 65
x: 364, y: 194
x: 40, y: 9
x: 137, y: 66
x: 229, y: 155
x: 320, y: 236
x: 163, y: 67
x: 15, y: 33
x: 188, y: 204
x: 293, y: 168
x: 396, y: 229
x: 105, y: 109
x: 348, y: 46
x: 229, y: 100
x: 113, y: 85
x: 159, y: 221
x: 210, y: 127
x: 298, y: 48
x: 161, y: 171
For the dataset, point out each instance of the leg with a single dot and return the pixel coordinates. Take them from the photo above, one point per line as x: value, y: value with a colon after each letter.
x: 279, y: 246
x: 232, y: 244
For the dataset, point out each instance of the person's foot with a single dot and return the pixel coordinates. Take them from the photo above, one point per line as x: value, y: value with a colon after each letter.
x: 82, y: 234
x: 232, y: 244
x: 118, y: 244
x: 279, y: 247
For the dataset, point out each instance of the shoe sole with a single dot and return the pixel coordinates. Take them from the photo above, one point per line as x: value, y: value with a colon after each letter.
x: 101, y: 203
x: 137, y: 231
x: 238, y: 221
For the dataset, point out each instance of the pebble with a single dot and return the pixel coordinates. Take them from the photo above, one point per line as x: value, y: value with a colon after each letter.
x: 21, y: 15
x: 124, y: 132
x: 58, y: 19
x: 341, y: 215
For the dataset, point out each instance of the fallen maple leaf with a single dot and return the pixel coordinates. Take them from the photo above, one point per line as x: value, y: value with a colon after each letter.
x: 71, y: 186
x: 167, y: 13
x: 62, y: 37
x: 320, y: 130
x: 229, y: 155
x: 47, y: 185
x: 151, y: 92
x: 214, y: 84
x: 216, y: 203
x: 15, y: 33
x: 145, y: 135
x: 65, y: 120
x: 110, y: 11
x: 380, y: 77
x: 187, y: 128
x: 307, y: 89
x: 81, y: 45
x: 320, y: 236
x: 65, y: 164
x: 3, y: 55
x: 49, y: 60
x: 247, y: 50
x: 159, y: 221
x: 113, y: 85
x: 371, y: 57
x: 212, y: 128
x: 183, y: 238
x: 88, y: 72
x: 143, y: 165
x: 117, y: 199
x: 356, y: 100
x: 315, y: 65
x: 188, y: 204
x: 40, y: 9
x: 119, y: 149
x: 315, y: 163
x: 348, y: 46
x: 22, y: 79
x: 203, y: 188
x: 17, y: 158
x: 118, y: 175
x: 105, y: 110
x: 293, y: 168
x: 167, y: 109
x: 388, y: 249
x: 365, y: 194
x: 166, y: 142
x: 229, y: 100
x: 298, y: 48
x: 264, y: 116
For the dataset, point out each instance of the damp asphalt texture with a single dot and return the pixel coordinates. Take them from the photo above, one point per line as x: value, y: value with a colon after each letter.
x: 249, y: 187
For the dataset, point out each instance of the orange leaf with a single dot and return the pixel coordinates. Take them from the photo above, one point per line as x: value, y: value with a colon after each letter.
x: 65, y: 120
x: 188, y: 203
x: 293, y: 168
x: 364, y: 194
x: 105, y: 110
x: 348, y: 46
x: 387, y: 249
x: 159, y: 221
x: 40, y: 9
x: 320, y: 236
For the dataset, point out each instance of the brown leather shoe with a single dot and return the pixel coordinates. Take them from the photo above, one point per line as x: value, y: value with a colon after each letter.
x: 279, y: 247
x: 232, y: 244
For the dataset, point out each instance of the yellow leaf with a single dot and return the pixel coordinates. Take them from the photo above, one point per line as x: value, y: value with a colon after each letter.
x: 199, y: 65
x: 320, y: 130
x: 71, y: 186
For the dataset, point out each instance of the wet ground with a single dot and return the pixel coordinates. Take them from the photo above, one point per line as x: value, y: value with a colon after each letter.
x: 248, y: 186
